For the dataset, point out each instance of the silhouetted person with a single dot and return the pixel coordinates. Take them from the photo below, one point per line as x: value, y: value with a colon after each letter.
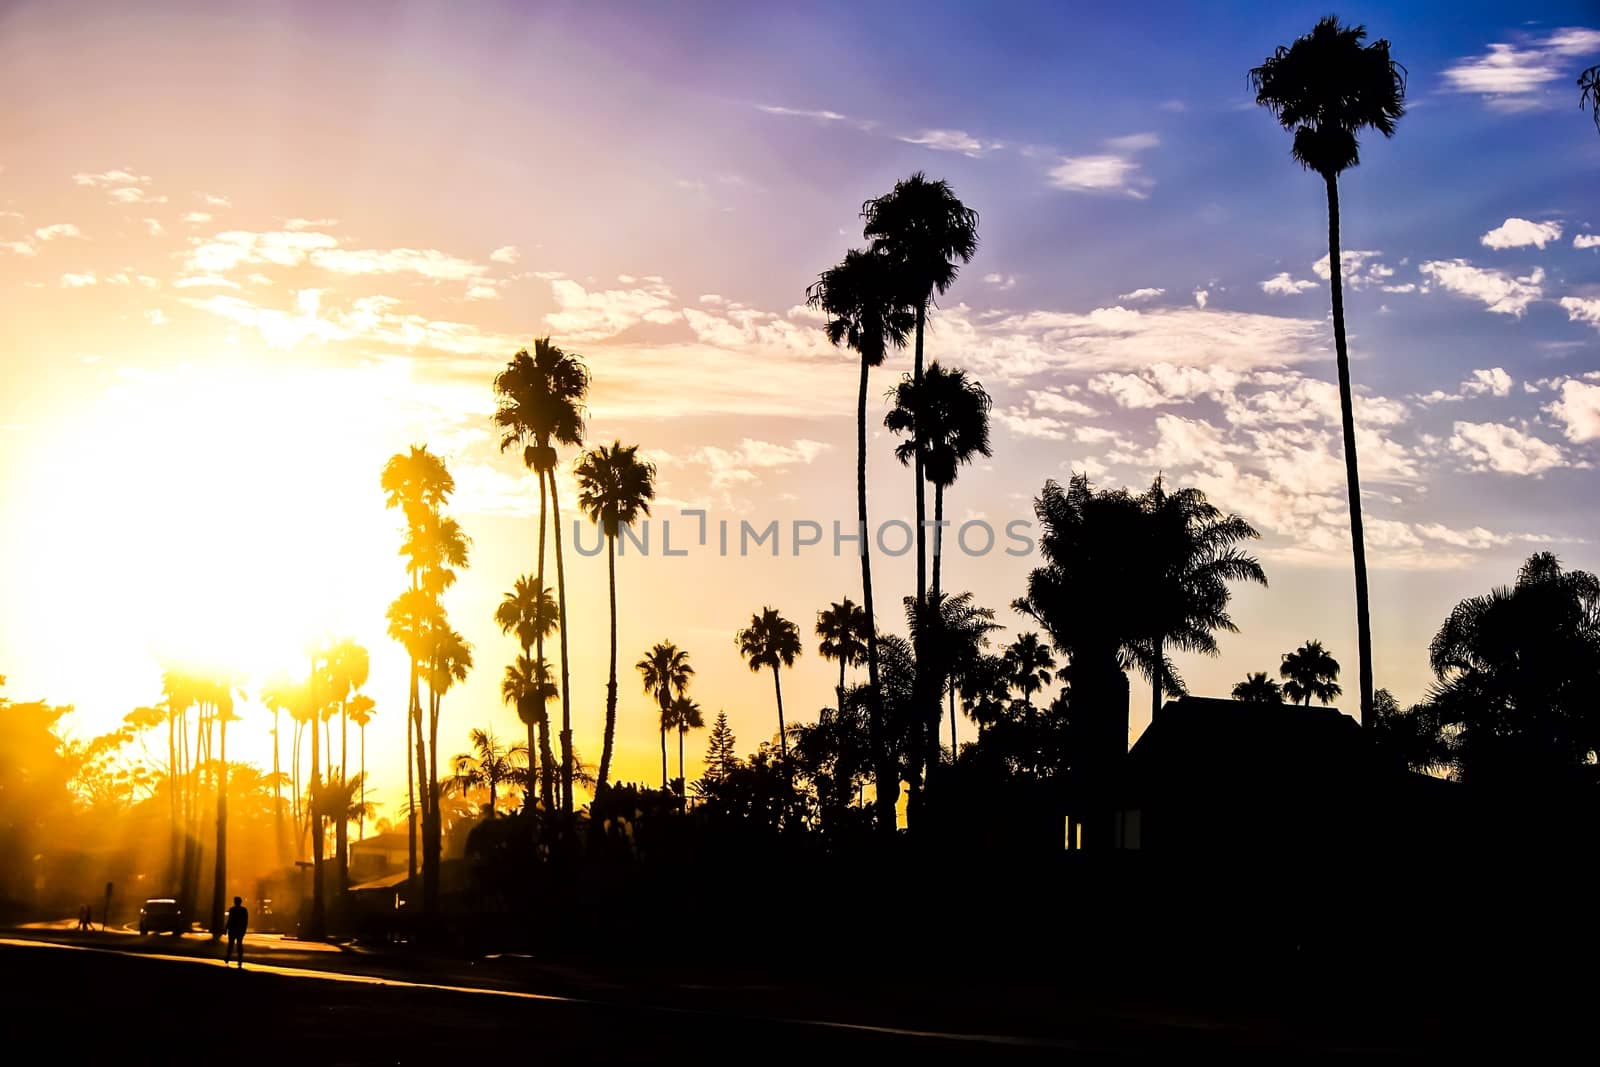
x: 84, y: 920
x: 238, y: 921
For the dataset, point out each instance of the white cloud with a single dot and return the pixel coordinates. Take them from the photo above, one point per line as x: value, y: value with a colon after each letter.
x: 1513, y: 78
x: 197, y: 217
x: 111, y: 178
x: 1201, y: 297
x: 1113, y: 171
x: 284, y: 248
x: 1581, y: 310
x: 1498, y: 290
x: 154, y: 228
x: 1134, y: 142
x: 430, y: 263
x: 1494, y: 380
x: 1586, y: 240
x: 1043, y: 427
x: 1164, y: 383
x: 738, y: 466
x: 57, y: 230
x: 1520, y: 233
x: 19, y: 248
x: 587, y: 315
x: 1490, y: 446
x: 1281, y: 284
x: 1000, y: 281
x: 505, y: 254
x: 78, y: 281
x: 1149, y: 293
x: 310, y: 224
x: 215, y: 201
x: 205, y: 281
x: 1578, y: 409
x: 818, y: 114
x: 483, y: 291
x: 1360, y: 267
x: 951, y: 141
x: 1056, y: 403
x: 155, y: 317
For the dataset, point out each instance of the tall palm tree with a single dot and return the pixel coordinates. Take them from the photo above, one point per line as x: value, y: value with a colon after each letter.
x: 489, y: 765
x: 177, y: 688
x: 615, y: 487
x: 281, y: 694
x: 1257, y: 688
x: 530, y: 612
x: 771, y: 641
x: 449, y: 662
x: 924, y: 230
x: 865, y: 311
x: 842, y: 626
x: 541, y: 406
x: 360, y: 710
x: 1030, y: 663
x: 686, y: 716
x: 954, y: 631
x: 1310, y: 672
x: 218, y: 691
x: 1328, y: 87
x: 949, y: 414
x: 664, y: 670
x: 1589, y: 94
x: 1192, y: 559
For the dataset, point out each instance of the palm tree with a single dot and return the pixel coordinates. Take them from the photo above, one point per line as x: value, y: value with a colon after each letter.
x: 842, y: 626
x: 949, y: 414
x: 541, y: 406
x: 347, y: 665
x: 1257, y: 688
x: 360, y: 710
x: 615, y: 488
x: 923, y: 229
x: 686, y: 716
x: 177, y: 689
x: 489, y: 765
x: 771, y: 641
x: 1030, y: 664
x: 412, y: 619
x: 1328, y: 87
x: 527, y: 688
x: 865, y: 312
x: 530, y: 612
x: 1192, y: 560
x: 1310, y: 672
x: 218, y: 690
x: 281, y: 694
x: 954, y: 631
x: 1589, y: 84
x: 665, y: 669
x: 449, y: 661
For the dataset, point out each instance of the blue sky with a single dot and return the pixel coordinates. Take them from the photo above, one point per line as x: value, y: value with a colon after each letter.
x: 349, y: 219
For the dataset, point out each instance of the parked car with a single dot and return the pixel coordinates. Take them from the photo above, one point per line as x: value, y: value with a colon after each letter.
x: 162, y: 915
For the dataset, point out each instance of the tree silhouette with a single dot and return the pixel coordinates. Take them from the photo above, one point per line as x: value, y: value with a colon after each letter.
x: 953, y: 632
x: 1257, y: 688
x: 529, y: 611
x: 360, y: 710
x: 280, y: 694
x: 1309, y: 672
x: 686, y: 716
x: 541, y: 406
x: 346, y: 665
x: 664, y: 670
x: 1192, y: 560
x: 489, y: 765
x: 1589, y: 92
x: 722, y: 752
x: 218, y: 691
x: 615, y: 487
x: 771, y: 641
x: 1327, y: 88
x: 842, y: 626
x: 866, y: 312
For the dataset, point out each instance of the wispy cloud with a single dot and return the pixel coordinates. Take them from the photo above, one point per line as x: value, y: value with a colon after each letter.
x: 1499, y: 291
x: 1513, y: 77
x: 1113, y: 171
x: 505, y: 254
x: 1137, y: 295
x: 1282, y: 284
x: 818, y: 115
x: 951, y: 141
x: 1490, y: 446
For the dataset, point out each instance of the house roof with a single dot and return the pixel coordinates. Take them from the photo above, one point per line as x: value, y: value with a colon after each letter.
x: 388, y: 881
x: 391, y: 841
x: 1205, y: 737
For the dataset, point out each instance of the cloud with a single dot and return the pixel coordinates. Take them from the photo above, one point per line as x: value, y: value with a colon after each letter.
x: 1581, y: 310
x: 1490, y: 446
x: 817, y: 114
x: 1512, y: 78
x: 1149, y: 293
x: 78, y: 281
x: 284, y: 248
x: 429, y: 263
x: 1579, y: 410
x: 1520, y: 233
x: 1586, y: 240
x: 951, y: 141
x: 57, y: 230
x: 1164, y: 383
x: 1202, y: 297
x: 19, y: 248
x: 310, y: 224
x: 738, y: 466
x: 1281, y: 284
x: 154, y: 228
x: 1498, y: 290
x: 1000, y: 281
x: 215, y: 201
x: 205, y: 281
x: 505, y: 254
x: 588, y: 315
x: 110, y: 178
x: 197, y: 217
x: 1057, y: 403
x: 483, y: 291
x: 1043, y: 427
x: 1494, y: 380
x: 155, y: 317
x: 1360, y: 267
x: 1112, y: 171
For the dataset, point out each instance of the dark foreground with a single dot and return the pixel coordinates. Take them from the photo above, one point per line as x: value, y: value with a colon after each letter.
x: 164, y: 999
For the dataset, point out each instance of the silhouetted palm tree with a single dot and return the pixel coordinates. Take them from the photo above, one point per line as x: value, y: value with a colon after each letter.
x: 489, y: 765
x: 771, y: 641
x: 686, y: 716
x: 541, y: 406
x: 664, y: 670
x: 842, y: 626
x: 360, y: 710
x: 615, y: 487
x: 279, y: 694
x: 1257, y: 688
x: 1310, y: 672
x: 865, y: 312
x: 1193, y: 559
x: 1589, y: 95
x: 1328, y: 88
x: 949, y: 414
x: 1031, y: 665
x: 924, y: 230
x: 530, y: 612
x: 218, y: 691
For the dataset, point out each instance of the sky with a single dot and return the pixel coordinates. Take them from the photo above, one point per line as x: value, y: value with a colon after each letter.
x: 247, y: 252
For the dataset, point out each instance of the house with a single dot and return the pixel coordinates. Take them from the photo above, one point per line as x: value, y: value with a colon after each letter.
x: 379, y: 856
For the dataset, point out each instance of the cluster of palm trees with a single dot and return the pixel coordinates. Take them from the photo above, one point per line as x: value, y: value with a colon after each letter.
x: 1309, y: 673
x: 195, y: 768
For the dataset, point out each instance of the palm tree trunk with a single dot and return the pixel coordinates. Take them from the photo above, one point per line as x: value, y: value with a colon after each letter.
x: 547, y: 770
x: 664, y: 786
x: 932, y: 732
x: 952, y: 720
x: 783, y: 740
x: 683, y: 783
x: 1352, y: 475
x: 611, y: 677
x: 277, y: 793
x: 886, y: 777
x: 219, y: 878
x: 319, y: 914
x: 173, y: 844
x: 433, y: 825
x: 922, y: 533
x: 1158, y: 677
x: 361, y: 822
x: 566, y: 685
x: 411, y: 784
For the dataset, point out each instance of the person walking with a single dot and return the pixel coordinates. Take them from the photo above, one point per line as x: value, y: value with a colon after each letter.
x: 238, y: 922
